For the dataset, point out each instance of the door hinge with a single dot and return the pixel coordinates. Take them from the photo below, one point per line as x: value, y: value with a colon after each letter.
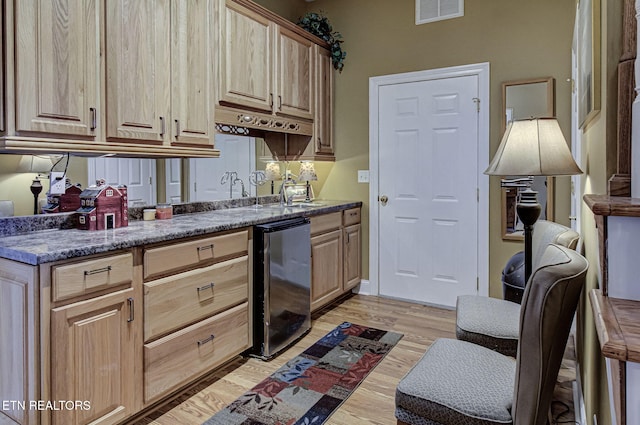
x: 477, y: 284
x: 477, y: 102
x: 195, y: 187
x: 478, y: 194
x: 150, y: 180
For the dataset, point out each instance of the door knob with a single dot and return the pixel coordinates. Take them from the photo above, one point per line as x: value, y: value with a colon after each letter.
x: 383, y: 199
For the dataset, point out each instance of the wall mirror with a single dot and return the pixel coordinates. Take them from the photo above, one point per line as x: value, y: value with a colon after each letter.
x: 521, y: 99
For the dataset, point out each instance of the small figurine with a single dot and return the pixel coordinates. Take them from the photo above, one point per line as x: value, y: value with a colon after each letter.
x: 103, y: 207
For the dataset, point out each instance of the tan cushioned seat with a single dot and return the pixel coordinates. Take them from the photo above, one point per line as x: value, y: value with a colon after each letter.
x: 493, y: 322
x: 460, y: 383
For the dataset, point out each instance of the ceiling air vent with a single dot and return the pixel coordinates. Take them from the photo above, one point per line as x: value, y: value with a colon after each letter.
x: 437, y: 10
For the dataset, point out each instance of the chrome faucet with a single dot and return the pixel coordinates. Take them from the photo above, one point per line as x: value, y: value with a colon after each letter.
x: 231, y: 177
x: 245, y: 194
x: 287, y: 180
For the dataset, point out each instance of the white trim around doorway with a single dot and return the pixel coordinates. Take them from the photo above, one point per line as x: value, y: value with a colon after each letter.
x: 481, y: 70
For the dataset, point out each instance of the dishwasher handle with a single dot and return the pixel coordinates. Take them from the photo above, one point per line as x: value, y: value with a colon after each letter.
x: 283, y: 224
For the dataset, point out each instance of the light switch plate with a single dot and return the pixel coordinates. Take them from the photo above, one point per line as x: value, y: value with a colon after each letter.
x: 363, y: 176
x: 57, y: 183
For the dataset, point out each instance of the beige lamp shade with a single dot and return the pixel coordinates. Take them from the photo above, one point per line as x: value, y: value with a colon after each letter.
x: 534, y: 147
x: 307, y: 171
x: 35, y: 164
x: 272, y: 171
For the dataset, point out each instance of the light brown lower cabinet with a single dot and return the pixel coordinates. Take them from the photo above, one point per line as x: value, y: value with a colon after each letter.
x: 116, y: 333
x: 82, y: 354
x: 326, y: 268
x: 336, y: 252
x: 93, y: 358
x: 352, y: 256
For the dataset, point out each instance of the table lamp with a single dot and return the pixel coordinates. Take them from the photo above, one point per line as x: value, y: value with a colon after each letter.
x: 35, y: 164
x: 532, y: 147
x: 272, y: 173
x: 307, y: 173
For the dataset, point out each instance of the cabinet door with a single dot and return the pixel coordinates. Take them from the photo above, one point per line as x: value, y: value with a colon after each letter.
x: 245, y: 55
x: 323, y: 122
x: 93, y: 359
x: 20, y: 342
x: 326, y: 268
x: 352, y: 256
x: 294, y: 74
x: 57, y: 66
x: 138, y: 70
x: 192, y: 64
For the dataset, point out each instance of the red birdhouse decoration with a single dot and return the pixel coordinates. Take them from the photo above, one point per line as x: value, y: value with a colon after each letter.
x: 102, y: 207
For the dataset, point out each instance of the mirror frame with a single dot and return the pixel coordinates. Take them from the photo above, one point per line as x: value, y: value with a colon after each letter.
x: 508, y: 199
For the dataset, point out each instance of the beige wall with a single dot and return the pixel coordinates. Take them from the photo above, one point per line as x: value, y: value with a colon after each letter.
x: 289, y: 9
x: 519, y: 39
x: 598, y: 161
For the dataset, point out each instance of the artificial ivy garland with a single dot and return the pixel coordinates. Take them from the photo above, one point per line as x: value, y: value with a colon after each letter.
x: 319, y: 25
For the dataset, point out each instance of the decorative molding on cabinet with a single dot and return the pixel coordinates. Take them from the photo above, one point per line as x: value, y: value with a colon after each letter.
x: 261, y: 121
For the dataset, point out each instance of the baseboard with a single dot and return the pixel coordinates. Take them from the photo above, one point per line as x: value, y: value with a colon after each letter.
x: 580, y: 412
x: 364, y: 288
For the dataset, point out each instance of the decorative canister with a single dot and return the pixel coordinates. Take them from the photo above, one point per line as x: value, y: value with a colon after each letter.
x: 149, y: 214
x: 164, y: 211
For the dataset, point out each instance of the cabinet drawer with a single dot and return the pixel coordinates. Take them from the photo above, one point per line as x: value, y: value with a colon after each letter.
x: 326, y: 222
x: 70, y: 280
x: 176, y: 301
x: 185, y: 255
x: 351, y: 216
x: 181, y: 356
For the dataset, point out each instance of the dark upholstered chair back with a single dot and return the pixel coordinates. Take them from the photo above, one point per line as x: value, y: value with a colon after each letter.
x: 547, y: 311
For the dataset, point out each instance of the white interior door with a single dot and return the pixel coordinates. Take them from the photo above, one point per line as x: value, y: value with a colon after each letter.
x: 237, y: 153
x: 173, y: 180
x: 428, y: 170
x: 138, y: 174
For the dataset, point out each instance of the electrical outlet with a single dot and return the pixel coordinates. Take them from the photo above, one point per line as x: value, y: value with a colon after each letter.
x: 57, y: 183
x: 363, y: 176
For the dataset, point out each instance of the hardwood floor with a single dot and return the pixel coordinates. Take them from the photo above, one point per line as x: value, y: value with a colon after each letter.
x: 372, y: 403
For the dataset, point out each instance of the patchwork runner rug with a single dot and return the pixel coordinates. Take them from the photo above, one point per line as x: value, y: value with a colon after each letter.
x: 310, y: 387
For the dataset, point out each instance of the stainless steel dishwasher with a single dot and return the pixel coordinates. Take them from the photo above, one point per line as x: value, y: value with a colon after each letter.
x: 282, y: 285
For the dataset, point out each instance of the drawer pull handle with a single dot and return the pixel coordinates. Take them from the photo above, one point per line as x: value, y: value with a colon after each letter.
x: 94, y: 123
x: 204, y: 341
x: 205, y: 287
x: 202, y: 248
x: 353, y: 214
x: 131, y: 311
x: 96, y: 271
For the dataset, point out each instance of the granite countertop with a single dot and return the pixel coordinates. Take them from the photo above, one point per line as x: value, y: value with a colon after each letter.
x: 53, y: 245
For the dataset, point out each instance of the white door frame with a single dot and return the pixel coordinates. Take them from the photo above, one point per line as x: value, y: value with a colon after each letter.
x: 482, y: 71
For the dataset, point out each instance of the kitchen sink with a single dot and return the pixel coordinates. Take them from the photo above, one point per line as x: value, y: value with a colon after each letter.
x: 296, y: 205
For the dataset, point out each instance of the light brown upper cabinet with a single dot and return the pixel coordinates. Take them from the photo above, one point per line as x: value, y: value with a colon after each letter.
x: 131, y: 78
x: 57, y: 63
x: 160, y: 71
x: 323, y: 122
x: 264, y: 66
